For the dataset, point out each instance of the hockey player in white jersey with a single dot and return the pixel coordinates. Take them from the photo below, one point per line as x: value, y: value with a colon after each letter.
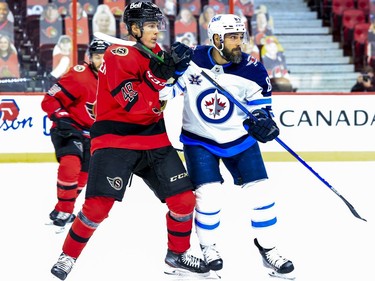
x: 214, y: 131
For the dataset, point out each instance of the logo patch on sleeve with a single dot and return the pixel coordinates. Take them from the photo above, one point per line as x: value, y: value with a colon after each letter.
x: 79, y: 68
x: 120, y: 51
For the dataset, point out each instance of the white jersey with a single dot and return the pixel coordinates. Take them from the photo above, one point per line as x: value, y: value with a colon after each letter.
x: 210, y: 119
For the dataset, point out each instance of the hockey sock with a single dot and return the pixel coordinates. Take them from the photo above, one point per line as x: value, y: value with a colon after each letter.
x: 207, y: 212
x: 82, y: 180
x: 67, y: 183
x: 180, y: 221
x: 263, y: 213
x: 94, y: 211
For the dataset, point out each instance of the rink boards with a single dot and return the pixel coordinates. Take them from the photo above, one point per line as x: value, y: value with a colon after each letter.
x: 319, y: 127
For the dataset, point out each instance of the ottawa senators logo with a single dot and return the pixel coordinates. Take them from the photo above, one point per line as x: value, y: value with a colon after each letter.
x: 79, y: 68
x: 120, y: 51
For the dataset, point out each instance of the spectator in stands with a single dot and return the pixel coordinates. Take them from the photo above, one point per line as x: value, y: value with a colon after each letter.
x: 261, y: 27
x: 252, y: 49
x: 220, y: 6
x: 168, y: 7
x: 204, y: 19
x: 272, y: 54
x: 116, y: 6
x: 247, y: 7
x: 82, y: 24
x: 185, y: 22
x: 371, y: 42
x: 89, y: 6
x: 63, y: 6
x: 192, y: 5
x: 365, y: 81
x: 9, y: 66
x: 6, y: 25
x: 104, y: 21
x: 50, y: 25
x: 188, y: 39
x: 62, y: 57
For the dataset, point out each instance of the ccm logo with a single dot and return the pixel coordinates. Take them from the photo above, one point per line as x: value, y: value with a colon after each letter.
x: 178, y: 177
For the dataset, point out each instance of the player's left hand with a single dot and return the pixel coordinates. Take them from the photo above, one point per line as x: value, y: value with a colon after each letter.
x: 181, y: 55
x: 264, y: 129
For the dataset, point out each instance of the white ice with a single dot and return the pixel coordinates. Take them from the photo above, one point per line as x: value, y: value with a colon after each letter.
x: 317, y: 231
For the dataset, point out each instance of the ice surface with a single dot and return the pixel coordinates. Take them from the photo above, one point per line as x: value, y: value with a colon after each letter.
x: 317, y: 231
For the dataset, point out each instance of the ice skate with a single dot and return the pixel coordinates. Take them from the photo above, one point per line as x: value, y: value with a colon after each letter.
x: 64, y: 265
x: 212, y: 257
x: 60, y: 219
x: 185, y: 265
x: 278, y: 265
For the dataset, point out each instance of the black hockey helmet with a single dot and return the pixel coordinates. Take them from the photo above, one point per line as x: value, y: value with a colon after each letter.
x: 98, y: 46
x: 140, y: 12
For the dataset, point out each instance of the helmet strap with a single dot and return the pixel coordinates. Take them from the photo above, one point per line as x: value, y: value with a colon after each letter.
x: 220, y: 50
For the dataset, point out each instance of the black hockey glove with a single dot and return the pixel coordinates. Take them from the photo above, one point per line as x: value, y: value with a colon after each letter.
x: 163, y: 70
x: 181, y: 55
x: 64, y: 124
x: 264, y: 129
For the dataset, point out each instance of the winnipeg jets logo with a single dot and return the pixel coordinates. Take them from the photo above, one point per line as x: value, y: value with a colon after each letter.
x: 251, y: 60
x: 116, y: 182
x: 195, y: 79
x: 213, y: 106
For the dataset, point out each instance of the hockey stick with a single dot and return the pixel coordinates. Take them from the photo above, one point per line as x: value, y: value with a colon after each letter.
x: 228, y: 95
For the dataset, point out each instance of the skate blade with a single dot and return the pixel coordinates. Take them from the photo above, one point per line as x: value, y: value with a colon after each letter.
x: 183, y: 274
x: 286, y: 276
x: 58, y: 229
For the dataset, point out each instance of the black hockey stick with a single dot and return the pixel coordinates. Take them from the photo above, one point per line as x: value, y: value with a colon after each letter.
x: 236, y: 102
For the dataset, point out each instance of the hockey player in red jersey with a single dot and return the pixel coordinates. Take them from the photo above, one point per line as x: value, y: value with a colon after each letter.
x: 129, y: 137
x: 69, y: 104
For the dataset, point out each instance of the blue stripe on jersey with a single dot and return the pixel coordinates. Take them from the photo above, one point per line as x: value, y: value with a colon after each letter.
x: 259, y: 101
x: 225, y: 150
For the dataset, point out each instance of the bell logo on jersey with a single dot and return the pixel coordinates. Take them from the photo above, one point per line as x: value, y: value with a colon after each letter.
x: 213, y: 106
x: 135, y: 5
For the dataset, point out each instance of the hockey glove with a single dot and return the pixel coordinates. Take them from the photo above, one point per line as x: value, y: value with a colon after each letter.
x: 264, y: 129
x: 181, y: 55
x: 163, y: 70
x: 163, y: 105
x: 64, y: 124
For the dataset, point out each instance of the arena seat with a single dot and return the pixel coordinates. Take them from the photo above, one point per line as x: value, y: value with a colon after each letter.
x: 350, y: 17
x: 359, y: 45
x: 338, y: 7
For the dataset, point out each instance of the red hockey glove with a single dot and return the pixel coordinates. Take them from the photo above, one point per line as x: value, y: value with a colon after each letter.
x: 64, y: 124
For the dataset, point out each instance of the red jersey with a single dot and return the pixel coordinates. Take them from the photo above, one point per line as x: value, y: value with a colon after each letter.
x: 9, y: 67
x: 128, y: 111
x: 74, y: 92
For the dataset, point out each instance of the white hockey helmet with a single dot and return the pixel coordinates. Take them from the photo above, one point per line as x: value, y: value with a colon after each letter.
x: 222, y: 24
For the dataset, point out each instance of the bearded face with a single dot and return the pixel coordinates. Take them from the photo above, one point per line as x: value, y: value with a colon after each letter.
x: 233, y: 55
